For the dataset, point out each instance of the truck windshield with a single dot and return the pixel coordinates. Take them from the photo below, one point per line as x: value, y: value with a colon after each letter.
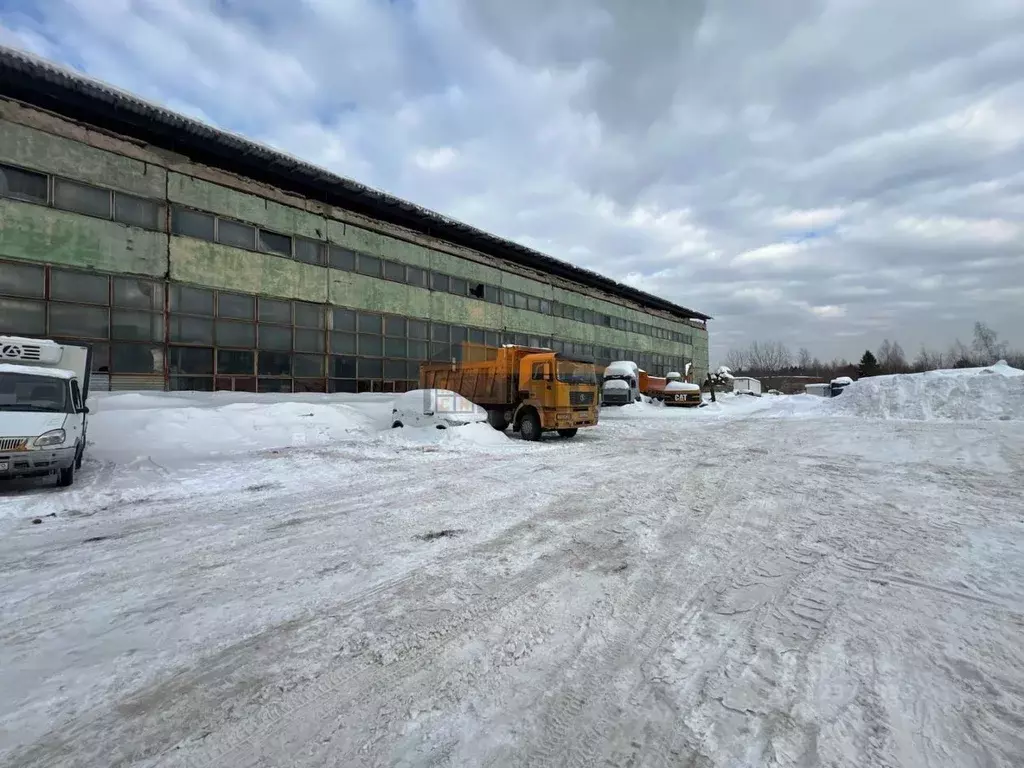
x: 26, y: 392
x: 576, y: 373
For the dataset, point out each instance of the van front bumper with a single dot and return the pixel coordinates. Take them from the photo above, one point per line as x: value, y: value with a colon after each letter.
x: 26, y: 463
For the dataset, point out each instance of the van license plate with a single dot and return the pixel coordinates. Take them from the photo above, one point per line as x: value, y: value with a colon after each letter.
x: 4, y: 466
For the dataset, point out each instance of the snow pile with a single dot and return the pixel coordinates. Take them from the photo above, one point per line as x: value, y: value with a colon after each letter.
x: 130, y: 426
x: 967, y: 394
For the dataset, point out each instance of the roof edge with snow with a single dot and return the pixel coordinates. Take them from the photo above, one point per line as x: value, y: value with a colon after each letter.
x: 40, y: 83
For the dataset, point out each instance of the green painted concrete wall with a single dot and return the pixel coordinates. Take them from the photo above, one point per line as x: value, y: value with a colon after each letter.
x: 36, y: 233
x: 33, y: 233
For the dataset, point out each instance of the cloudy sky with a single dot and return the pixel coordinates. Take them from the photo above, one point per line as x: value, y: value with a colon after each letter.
x: 825, y: 172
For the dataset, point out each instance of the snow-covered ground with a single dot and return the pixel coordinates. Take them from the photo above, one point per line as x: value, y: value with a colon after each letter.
x: 280, y: 580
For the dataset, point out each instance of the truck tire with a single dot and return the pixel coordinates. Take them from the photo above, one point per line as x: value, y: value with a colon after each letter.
x: 66, y: 477
x: 529, y: 426
x: 397, y: 425
x: 497, y: 420
x: 568, y: 432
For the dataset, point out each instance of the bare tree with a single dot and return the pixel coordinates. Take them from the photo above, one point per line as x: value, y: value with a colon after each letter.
x: 959, y: 355
x: 768, y: 358
x: 986, y: 344
x: 736, y: 359
x: 804, y: 360
x: 930, y: 360
x: 891, y: 358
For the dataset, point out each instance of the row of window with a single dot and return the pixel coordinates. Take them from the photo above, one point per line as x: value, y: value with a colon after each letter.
x: 31, y: 186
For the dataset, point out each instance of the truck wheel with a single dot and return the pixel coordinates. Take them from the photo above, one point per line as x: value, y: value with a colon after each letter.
x: 529, y: 426
x: 397, y: 425
x: 497, y: 420
x: 568, y: 432
x: 66, y: 477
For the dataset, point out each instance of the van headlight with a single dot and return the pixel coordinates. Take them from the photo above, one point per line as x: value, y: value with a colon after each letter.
x: 49, y: 439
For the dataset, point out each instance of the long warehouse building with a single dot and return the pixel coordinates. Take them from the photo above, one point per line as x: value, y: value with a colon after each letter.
x: 193, y: 259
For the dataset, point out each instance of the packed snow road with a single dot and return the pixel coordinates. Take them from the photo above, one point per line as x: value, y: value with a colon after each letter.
x: 761, y: 583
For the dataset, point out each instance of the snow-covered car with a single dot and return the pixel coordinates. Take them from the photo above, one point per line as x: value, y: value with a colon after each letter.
x: 438, y: 408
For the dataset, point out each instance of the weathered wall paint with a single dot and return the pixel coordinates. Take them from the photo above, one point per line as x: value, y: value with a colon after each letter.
x: 361, y: 292
x: 37, y: 150
x: 45, y: 235
x: 197, y: 193
x: 218, y: 266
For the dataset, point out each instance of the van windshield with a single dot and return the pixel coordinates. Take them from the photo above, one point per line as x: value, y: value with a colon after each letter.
x: 576, y: 373
x: 27, y: 392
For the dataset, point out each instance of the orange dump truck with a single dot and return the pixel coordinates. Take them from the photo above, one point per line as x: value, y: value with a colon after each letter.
x: 652, y: 386
x: 671, y: 390
x: 535, y: 390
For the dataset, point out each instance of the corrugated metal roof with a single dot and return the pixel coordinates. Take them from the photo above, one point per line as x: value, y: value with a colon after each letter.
x: 32, y: 80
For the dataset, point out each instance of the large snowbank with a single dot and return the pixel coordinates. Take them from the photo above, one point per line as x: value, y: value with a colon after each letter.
x: 967, y: 394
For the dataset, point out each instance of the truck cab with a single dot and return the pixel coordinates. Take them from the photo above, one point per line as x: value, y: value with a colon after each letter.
x: 621, y: 383
x: 43, y: 416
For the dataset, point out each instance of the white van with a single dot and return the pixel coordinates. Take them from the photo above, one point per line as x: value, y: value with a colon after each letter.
x: 43, y: 416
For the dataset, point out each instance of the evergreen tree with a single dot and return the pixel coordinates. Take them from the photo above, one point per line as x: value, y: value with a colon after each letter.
x: 868, y: 365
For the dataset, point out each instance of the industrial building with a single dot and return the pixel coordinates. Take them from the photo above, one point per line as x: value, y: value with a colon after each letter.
x: 193, y: 259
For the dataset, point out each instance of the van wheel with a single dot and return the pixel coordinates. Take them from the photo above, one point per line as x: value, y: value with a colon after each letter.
x: 397, y: 425
x: 529, y: 426
x: 568, y: 432
x: 497, y: 420
x: 66, y: 477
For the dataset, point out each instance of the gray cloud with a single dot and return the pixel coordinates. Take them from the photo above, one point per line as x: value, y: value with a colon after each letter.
x: 822, y: 171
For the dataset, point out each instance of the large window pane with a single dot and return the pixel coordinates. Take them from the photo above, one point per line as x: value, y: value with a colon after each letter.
x: 394, y: 271
x: 440, y: 352
x: 412, y: 370
x: 191, y: 384
x: 343, y: 367
x: 235, y: 305
x: 275, y: 337
x: 309, y: 365
x: 191, y: 301
x: 232, y: 334
x: 394, y: 348
x: 476, y: 290
x: 272, y: 311
x: 439, y: 332
x: 343, y: 343
x: 138, y: 294
x: 81, y: 198
x: 343, y: 385
x: 22, y: 317
x: 271, y: 242
x: 78, y: 321
x: 369, y: 323
x: 438, y: 282
x: 394, y: 326
x: 274, y: 364
x: 417, y: 329
x: 344, y: 320
x: 234, y: 361
x: 370, y: 369
x: 394, y: 369
x: 22, y: 185
x: 521, y: 301
x: 492, y: 294
x: 136, y: 358
x: 138, y: 212
x: 370, y: 345
x: 492, y: 339
x: 236, y: 234
x: 476, y: 336
x: 21, y: 280
x: 309, y: 385
x: 416, y: 276
x: 417, y: 350
x: 132, y: 325
x: 309, y: 315
x: 190, y: 330
x: 189, y: 360
x: 508, y: 298
x: 191, y: 223
x: 274, y: 385
x: 458, y: 334
x: 79, y: 286
x: 309, y: 341
x: 457, y: 286
x: 308, y: 251
x: 367, y: 264
x: 341, y: 258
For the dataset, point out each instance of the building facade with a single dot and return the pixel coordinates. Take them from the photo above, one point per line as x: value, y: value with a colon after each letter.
x: 193, y: 268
